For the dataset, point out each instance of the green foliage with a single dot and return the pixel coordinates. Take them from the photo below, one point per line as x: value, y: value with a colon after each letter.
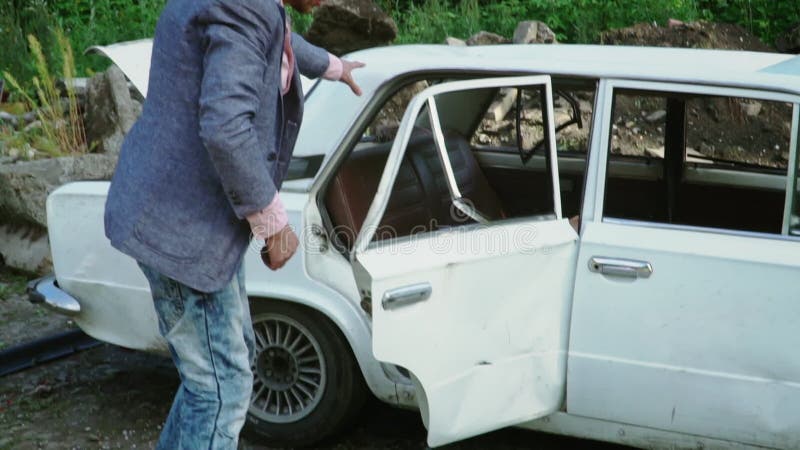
x: 11, y: 284
x: 61, y: 128
x: 102, y: 22
x: 300, y: 22
x: 18, y: 19
x: 767, y: 19
x: 573, y: 20
x: 580, y: 21
x: 434, y: 20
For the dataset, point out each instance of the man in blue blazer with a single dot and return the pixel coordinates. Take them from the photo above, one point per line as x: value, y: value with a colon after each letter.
x: 200, y: 171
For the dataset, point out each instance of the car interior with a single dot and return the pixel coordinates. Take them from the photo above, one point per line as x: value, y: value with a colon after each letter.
x: 661, y: 169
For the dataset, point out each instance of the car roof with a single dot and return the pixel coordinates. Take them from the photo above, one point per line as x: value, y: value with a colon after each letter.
x: 769, y: 71
x: 700, y: 66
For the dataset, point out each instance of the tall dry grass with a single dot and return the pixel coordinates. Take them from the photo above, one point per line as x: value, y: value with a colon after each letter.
x: 61, y: 122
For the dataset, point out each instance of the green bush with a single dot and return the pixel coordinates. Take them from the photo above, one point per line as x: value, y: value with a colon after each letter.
x: 581, y: 21
x: 767, y: 19
x: 18, y: 19
x: 102, y: 22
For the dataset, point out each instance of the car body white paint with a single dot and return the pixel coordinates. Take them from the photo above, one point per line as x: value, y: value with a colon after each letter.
x: 112, y: 291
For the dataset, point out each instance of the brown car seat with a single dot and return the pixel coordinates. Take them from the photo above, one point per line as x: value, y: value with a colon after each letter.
x: 419, y: 201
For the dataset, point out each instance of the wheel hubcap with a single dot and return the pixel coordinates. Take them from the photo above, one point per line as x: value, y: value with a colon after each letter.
x: 288, y: 371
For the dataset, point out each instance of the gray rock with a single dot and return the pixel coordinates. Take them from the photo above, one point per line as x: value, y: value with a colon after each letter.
x: 344, y: 26
x: 33, y: 125
x: 29, y: 117
x: 24, y: 185
x: 9, y: 119
x: 502, y: 105
x: 486, y: 38
x: 25, y: 247
x: 534, y: 32
x: 751, y: 109
x: 79, y: 86
x: 789, y: 42
x: 110, y: 111
x: 656, y: 116
x: 455, y: 42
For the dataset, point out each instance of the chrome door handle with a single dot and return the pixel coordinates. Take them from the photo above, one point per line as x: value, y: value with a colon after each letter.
x: 618, y: 267
x: 406, y: 295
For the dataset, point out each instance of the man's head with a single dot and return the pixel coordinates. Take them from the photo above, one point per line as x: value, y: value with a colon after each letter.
x: 303, y: 6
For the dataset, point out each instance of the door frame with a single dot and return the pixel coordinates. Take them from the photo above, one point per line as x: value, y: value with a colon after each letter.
x: 396, y: 154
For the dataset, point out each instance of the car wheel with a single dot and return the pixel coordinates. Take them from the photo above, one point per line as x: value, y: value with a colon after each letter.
x: 307, y: 383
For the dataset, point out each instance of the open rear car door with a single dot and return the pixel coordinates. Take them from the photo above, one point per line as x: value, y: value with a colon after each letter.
x: 477, y: 313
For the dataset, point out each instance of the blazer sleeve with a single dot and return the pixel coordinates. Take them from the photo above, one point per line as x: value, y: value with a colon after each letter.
x: 234, y: 64
x: 312, y: 61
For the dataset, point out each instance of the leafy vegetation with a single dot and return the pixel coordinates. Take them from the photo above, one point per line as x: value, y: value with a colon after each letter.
x: 11, y: 284
x: 60, y: 127
x: 581, y: 21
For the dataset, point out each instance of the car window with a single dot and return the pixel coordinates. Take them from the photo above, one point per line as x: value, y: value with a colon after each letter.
x: 572, y: 106
x: 383, y: 126
x: 739, y: 133
x: 698, y: 160
x: 638, y: 124
x: 421, y: 200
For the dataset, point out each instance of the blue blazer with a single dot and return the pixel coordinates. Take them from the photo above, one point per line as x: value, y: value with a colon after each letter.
x: 214, y: 139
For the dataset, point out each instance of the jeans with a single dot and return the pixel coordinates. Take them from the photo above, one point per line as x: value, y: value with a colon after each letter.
x: 210, y: 336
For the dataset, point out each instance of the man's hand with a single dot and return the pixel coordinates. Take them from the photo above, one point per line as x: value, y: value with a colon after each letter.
x: 279, y: 248
x: 347, y: 74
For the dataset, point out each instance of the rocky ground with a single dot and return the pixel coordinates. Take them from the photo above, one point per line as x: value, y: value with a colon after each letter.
x: 113, y: 398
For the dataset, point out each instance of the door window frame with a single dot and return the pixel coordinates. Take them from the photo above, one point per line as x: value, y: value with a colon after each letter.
x: 599, y: 150
x: 427, y: 98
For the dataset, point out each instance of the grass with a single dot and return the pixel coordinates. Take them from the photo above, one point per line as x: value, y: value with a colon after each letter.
x: 12, y: 284
x: 61, y: 127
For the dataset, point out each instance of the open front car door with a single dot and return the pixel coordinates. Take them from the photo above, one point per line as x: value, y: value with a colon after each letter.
x: 475, y: 305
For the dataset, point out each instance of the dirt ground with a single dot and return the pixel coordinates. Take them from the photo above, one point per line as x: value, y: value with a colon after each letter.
x: 112, y: 398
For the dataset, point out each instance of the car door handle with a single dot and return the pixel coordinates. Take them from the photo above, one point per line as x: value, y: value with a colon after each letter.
x: 406, y: 295
x: 618, y: 267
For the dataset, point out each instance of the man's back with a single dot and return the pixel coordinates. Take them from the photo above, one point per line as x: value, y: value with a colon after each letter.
x: 213, y: 135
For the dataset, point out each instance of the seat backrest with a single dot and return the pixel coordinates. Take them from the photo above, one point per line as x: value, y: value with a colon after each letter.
x: 419, y: 201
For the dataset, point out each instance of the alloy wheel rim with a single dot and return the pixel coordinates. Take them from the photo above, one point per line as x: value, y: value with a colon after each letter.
x: 288, y: 372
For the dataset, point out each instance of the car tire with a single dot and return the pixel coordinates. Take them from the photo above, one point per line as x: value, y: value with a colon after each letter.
x: 307, y: 383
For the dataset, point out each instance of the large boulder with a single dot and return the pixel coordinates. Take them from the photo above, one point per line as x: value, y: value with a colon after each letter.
x: 344, y: 26
x: 24, y: 185
x: 789, y: 42
x: 534, y: 32
x: 110, y: 111
x: 25, y: 247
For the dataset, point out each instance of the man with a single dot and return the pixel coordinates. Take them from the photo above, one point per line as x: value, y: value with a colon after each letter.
x: 200, y: 169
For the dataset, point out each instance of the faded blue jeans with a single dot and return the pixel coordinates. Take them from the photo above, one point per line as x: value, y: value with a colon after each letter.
x: 210, y: 336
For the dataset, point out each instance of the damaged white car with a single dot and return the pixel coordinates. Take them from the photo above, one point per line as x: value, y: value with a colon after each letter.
x: 440, y: 271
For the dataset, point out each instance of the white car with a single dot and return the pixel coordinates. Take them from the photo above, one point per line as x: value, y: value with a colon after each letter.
x: 440, y: 271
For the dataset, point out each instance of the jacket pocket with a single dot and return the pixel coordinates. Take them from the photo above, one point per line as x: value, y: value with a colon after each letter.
x: 175, y: 234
